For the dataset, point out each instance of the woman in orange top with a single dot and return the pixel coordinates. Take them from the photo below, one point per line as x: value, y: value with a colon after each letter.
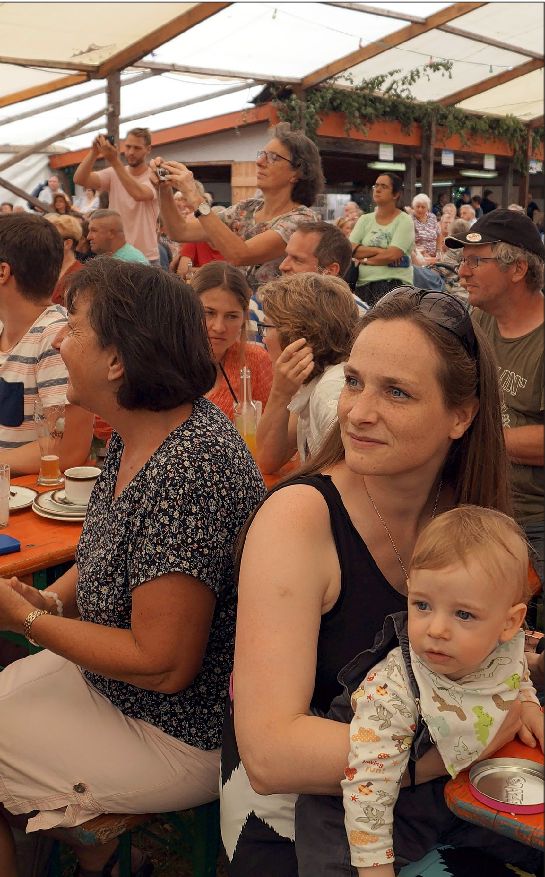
x: 225, y: 295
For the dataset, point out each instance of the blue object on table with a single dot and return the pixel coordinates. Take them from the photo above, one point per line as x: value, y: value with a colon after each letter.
x: 8, y: 544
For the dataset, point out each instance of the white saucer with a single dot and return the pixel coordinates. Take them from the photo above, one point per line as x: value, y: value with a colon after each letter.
x: 23, y: 499
x: 53, y: 517
x: 59, y: 496
x: 46, y: 506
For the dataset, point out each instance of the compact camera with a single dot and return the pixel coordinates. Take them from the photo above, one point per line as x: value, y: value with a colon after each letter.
x: 109, y: 138
x: 161, y: 172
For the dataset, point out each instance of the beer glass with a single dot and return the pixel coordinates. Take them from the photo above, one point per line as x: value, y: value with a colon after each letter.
x: 49, y: 420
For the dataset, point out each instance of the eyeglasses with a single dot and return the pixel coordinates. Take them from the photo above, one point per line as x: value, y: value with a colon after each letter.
x: 381, y: 186
x: 271, y: 157
x: 262, y: 329
x: 445, y: 310
x: 472, y: 261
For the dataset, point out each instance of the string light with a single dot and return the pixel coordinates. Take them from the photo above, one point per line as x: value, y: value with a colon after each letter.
x: 401, y: 47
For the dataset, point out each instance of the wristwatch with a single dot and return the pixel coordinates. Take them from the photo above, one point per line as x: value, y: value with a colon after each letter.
x: 364, y: 261
x: 202, y: 210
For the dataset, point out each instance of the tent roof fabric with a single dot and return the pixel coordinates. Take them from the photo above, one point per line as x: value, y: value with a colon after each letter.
x: 213, y: 58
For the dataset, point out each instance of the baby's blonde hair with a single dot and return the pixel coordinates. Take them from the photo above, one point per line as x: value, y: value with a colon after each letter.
x: 460, y: 534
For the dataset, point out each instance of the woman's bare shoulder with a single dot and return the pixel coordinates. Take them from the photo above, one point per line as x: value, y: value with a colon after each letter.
x: 296, y: 506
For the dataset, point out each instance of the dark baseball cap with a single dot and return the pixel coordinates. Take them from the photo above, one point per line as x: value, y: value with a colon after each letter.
x: 507, y: 226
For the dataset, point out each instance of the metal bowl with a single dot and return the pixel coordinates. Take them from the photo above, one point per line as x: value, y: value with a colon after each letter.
x: 512, y: 785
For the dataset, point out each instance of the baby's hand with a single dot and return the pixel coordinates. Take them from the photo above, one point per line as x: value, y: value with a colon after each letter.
x: 532, y: 725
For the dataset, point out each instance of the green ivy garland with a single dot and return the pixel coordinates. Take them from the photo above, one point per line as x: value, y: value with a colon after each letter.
x: 387, y: 98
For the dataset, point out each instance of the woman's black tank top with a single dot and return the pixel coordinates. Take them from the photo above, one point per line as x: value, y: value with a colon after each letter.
x: 364, y: 601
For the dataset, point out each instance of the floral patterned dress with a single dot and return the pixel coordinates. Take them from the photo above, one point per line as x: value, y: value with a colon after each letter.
x: 181, y: 512
x: 241, y: 219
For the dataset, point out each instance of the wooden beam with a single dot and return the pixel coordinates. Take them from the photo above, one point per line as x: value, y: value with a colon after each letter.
x: 46, y: 88
x: 480, y: 38
x: 506, y: 187
x: 389, y: 42
x: 212, y: 71
x: 31, y: 150
x: 409, y: 182
x: 185, y: 103
x: 428, y: 155
x: 72, y: 100
x: 11, y: 147
x: 536, y: 123
x: 524, y: 181
x: 48, y: 64
x: 229, y: 121
x: 372, y: 10
x: 182, y: 23
x: 114, y: 105
x: 6, y: 184
x: 491, y: 82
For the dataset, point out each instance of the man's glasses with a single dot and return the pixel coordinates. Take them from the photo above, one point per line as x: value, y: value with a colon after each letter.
x: 271, y: 157
x: 381, y: 186
x: 472, y: 261
x: 262, y: 329
x: 445, y: 310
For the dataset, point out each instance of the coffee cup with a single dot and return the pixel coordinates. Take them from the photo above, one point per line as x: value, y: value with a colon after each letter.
x: 79, y: 482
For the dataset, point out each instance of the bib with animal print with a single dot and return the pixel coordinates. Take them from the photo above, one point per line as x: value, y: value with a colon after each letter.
x: 463, y: 716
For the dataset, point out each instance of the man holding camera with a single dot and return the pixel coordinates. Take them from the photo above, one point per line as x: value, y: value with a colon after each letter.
x: 131, y: 193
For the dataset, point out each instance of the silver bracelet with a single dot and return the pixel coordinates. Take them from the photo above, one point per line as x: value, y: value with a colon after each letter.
x: 59, y: 603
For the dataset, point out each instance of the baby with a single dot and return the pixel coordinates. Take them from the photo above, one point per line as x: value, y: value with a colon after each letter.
x: 457, y: 675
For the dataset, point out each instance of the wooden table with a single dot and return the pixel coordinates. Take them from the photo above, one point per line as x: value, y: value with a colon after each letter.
x: 526, y: 829
x: 44, y: 543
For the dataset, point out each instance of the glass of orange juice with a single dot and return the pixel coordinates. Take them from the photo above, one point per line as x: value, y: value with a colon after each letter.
x: 49, y: 421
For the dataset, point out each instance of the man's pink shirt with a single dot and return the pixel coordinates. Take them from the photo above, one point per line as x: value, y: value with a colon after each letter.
x: 139, y: 217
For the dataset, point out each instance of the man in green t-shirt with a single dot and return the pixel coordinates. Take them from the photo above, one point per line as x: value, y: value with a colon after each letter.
x: 502, y: 270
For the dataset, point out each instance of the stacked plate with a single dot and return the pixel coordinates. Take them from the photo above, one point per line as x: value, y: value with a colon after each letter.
x: 53, y: 505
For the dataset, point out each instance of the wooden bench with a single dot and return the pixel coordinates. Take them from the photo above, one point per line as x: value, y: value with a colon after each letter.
x: 195, y: 836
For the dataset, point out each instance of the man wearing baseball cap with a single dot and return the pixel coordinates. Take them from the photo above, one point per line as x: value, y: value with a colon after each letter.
x: 502, y: 270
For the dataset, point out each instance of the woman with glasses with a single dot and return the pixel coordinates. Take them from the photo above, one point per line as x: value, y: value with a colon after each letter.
x: 252, y: 234
x: 309, y: 320
x: 323, y: 563
x: 225, y: 296
x: 383, y: 242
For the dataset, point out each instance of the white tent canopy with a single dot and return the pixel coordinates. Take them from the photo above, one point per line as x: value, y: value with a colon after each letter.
x: 231, y: 49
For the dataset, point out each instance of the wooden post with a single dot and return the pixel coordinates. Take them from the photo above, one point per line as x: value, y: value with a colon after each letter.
x: 428, y: 151
x: 243, y: 180
x: 507, y: 186
x: 114, y: 104
x: 301, y: 94
x: 524, y: 183
x: 410, y: 180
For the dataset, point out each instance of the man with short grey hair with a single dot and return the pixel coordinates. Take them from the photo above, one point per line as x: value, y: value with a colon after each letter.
x: 106, y: 237
x: 502, y: 270
x: 467, y: 213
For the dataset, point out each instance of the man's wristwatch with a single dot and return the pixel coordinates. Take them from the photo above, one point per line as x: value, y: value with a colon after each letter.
x: 202, y: 210
x: 364, y: 260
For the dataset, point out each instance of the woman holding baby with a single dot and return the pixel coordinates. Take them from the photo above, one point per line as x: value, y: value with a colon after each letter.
x: 419, y: 433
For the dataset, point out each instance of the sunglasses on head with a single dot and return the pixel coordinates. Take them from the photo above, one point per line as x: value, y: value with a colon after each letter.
x: 445, y: 310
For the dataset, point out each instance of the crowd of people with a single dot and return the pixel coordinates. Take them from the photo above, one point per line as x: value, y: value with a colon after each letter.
x: 214, y: 639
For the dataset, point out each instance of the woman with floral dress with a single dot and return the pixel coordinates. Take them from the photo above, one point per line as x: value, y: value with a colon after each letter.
x: 132, y: 679
x: 253, y: 233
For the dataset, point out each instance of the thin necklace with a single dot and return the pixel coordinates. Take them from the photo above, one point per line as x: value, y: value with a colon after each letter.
x: 383, y: 522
